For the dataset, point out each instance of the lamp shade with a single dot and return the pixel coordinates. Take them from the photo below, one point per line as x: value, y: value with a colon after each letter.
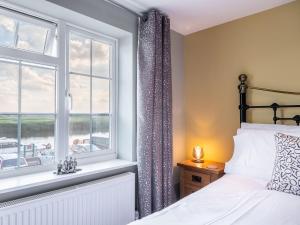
x: 198, y: 154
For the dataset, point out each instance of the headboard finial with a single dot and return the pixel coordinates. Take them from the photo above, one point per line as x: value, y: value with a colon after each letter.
x: 243, y: 78
x: 243, y: 86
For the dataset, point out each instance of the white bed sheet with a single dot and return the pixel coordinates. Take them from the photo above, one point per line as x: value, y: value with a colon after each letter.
x: 232, y: 199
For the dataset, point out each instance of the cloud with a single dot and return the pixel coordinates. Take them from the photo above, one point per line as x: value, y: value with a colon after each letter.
x: 38, y: 89
x: 7, y: 24
x: 100, y: 95
x: 80, y: 60
x: 7, y: 30
x: 79, y: 54
x: 80, y: 91
x: 9, y: 87
x: 38, y: 84
x: 31, y: 37
x: 101, y: 59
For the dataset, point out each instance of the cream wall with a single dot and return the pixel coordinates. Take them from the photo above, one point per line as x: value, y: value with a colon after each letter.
x: 179, y: 152
x: 266, y: 46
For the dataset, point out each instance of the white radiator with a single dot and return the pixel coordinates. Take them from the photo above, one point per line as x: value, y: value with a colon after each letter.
x: 109, y: 201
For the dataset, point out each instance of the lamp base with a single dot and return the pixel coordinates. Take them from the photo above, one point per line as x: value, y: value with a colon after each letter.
x: 198, y: 160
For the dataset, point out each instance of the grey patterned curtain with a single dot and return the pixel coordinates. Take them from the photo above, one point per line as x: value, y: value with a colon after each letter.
x: 154, y: 113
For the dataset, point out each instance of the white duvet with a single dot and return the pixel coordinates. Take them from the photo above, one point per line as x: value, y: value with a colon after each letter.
x: 232, y: 199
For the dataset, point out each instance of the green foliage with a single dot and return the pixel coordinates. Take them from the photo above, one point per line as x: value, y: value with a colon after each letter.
x: 43, y: 126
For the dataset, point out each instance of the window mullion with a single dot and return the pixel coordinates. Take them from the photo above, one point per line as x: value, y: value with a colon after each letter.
x: 19, y: 112
x: 91, y: 93
x: 113, y: 93
x: 62, y: 132
x: 88, y: 75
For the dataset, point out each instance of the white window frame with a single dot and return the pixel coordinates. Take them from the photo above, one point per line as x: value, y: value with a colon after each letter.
x: 51, y: 25
x: 60, y: 61
x: 113, y: 85
x: 20, y: 63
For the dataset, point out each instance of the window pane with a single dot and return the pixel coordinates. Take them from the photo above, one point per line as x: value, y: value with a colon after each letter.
x: 100, y: 103
x: 80, y: 91
x: 22, y: 32
x: 9, y: 87
x: 7, y: 31
x: 101, y: 59
x: 51, y: 43
x: 8, y: 142
x: 31, y: 37
x: 79, y: 131
x: 79, y: 51
x: 38, y: 90
x: 37, y: 139
x: 101, y: 132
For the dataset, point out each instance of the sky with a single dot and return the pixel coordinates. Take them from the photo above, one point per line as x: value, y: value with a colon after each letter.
x: 38, y: 84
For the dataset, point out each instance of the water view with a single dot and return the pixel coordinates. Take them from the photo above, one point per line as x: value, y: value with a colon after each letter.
x: 37, y: 146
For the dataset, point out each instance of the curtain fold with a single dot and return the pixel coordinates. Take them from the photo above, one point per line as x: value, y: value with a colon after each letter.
x: 154, y: 113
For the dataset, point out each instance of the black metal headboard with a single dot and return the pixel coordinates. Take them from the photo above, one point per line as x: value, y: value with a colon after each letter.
x: 243, y: 107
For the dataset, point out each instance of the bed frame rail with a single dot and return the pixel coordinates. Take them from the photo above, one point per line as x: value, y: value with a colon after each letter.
x: 243, y: 107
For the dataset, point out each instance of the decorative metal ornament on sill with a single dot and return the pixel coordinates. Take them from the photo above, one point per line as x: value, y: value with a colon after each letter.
x: 68, y: 166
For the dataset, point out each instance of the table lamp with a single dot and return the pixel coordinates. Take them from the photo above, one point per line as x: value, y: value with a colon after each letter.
x: 198, y: 154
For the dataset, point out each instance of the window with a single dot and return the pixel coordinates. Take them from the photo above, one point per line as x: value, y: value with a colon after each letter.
x: 23, y: 32
x: 90, y: 90
x: 55, y: 101
x: 27, y: 113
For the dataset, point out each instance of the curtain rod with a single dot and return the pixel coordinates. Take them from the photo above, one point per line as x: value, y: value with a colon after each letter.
x: 124, y: 7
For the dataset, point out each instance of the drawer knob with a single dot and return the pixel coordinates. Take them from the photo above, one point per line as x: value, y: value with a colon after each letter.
x: 197, y: 179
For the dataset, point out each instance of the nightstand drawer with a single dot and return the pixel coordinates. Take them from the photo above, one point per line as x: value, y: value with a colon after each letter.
x: 189, y: 189
x: 195, y: 178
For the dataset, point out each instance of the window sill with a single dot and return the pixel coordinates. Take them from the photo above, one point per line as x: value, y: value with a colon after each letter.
x: 19, y: 183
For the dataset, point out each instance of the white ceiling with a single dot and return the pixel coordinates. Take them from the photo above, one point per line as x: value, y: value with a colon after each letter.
x: 188, y: 16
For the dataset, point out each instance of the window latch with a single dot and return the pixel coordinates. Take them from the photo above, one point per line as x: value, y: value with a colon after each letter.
x: 70, y: 101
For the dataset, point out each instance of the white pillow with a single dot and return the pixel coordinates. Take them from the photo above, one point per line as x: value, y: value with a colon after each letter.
x: 269, y: 126
x: 254, y: 154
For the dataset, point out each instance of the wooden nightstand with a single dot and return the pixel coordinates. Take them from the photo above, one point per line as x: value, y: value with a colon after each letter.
x: 194, y: 176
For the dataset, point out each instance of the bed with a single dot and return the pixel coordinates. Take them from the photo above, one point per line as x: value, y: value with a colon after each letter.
x: 248, y: 193
x: 233, y: 199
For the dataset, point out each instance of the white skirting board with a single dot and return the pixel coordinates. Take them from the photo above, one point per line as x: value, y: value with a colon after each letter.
x: 108, y: 201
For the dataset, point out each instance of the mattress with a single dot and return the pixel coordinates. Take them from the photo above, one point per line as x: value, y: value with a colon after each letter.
x: 232, y: 199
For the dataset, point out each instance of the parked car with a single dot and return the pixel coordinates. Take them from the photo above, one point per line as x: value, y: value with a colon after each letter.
x: 8, y: 161
x: 33, y: 161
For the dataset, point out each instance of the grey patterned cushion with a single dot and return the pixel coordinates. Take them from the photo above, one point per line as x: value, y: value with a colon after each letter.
x: 286, y: 173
